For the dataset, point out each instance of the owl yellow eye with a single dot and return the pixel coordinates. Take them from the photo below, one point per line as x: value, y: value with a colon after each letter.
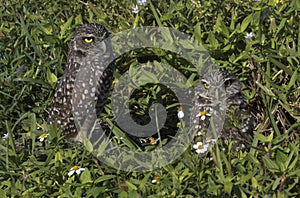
x: 206, y: 86
x: 88, y: 39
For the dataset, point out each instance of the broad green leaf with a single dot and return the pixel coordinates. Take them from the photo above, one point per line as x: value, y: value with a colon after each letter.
x: 85, y: 177
x: 254, y: 182
x: 157, y: 18
x: 212, y: 40
x: 144, y: 181
x: 88, y: 145
x: 228, y: 185
x: 276, y: 183
x: 136, y: 21
x: 102, y: 148
x: 220, y: 26
x: 32, y: 121
x: 52, y: 79
x: 219, y: 164
x: 246, y: 22
x: 281, y: 157
x: 252, y: 158
x: 245, y: 179
x: 281, y: 26
x: 243, y: 193
x: 2, y: 193
x: 58, y: 157
x: 95, y: 191
x: 24, y: 28
x: 123, y: 194
x: 270, y: 164
x: 147, y: 77
x: 131, y: 185
x: 263, y: 138
x: 104, y: 178
x: 292, y: 164
x: 65, y: 26
x: 292, y: 81
x: 47, y: 29
x: 133, y: 193
x: 78, y: 192
x: 214, y: 189
x: 197, y: 32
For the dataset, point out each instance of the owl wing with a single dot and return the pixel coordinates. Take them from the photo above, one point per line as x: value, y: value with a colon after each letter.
x: 239, y: 125
x: 61, y: 108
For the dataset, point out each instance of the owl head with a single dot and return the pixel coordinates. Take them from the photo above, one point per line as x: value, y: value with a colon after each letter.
x: 87, y: 41
x: 218, y: 86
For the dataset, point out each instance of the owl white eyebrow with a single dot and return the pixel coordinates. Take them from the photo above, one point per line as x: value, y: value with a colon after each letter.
x: 206, y: 81
x: 88, y: 35
x: 229, y: 78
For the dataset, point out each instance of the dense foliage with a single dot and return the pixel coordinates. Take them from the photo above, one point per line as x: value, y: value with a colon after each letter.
x: 257, y: 40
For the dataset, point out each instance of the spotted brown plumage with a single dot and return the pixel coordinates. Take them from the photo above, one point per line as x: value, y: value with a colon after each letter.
x: 218, y: 94
x: 84, y: 87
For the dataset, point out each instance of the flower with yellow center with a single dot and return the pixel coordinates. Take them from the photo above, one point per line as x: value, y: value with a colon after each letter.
x: 180, y: 113
x: 75, y: 169
x: 203, y: 114
x: 200, y: 147
x: 42, y: 137
x: 156, y: 179
x: 152, y: 140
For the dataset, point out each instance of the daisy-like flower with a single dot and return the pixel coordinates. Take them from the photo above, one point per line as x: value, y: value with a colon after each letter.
x: 249, y: 36
x: 180, y: 114
x: 42, y: 137
x: 5, y: 136
x: 75, y: 169
x: 200, y: 147
x: 141, y: 2
x: 199, y: 133
x: 156, y: 179
x: 135, y: 9
x: 203, y: 114
x: 152, y: 140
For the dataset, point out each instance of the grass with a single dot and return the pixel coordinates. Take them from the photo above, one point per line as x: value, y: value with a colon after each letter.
x: 34, y: 36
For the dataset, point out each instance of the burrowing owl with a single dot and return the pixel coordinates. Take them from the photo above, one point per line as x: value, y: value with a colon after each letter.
x: 217, y: 92
x: 89, y: 68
